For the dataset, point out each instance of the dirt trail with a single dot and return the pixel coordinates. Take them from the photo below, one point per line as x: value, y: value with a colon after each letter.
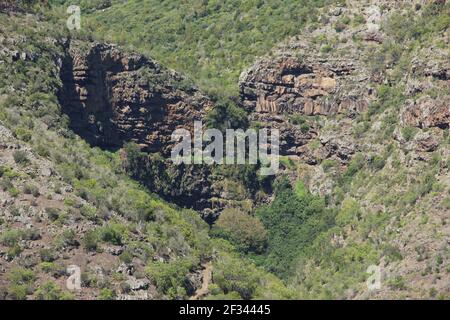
x: 206, y: 280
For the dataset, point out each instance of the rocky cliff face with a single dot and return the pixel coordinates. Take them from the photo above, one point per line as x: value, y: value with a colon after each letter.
x: 307, y: 78
x: 311, y: 75
x: 307, y: 84
x: 426, y: 113
x: 342, y: 99
x: 112, y: 97
x: 275, y: 89
x: 385, y: 154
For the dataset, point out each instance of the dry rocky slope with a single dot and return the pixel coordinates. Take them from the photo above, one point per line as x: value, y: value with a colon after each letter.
x: 45, y: 231
x: 47, y: 222
x: 330, y: 77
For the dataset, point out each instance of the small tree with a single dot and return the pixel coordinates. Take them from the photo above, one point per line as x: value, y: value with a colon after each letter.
x: 245, y: 231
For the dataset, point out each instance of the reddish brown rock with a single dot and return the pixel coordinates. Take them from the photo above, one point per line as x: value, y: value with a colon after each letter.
x: 427, y: 112
x: 112, y: 97
x: 310, y: 86
x: 300, y: 81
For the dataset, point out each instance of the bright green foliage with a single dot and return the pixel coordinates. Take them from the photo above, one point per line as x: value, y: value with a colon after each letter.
x: 51, y: 291
x: 234, y: 277
x: 350, y: 211
x: 106, y: 294
x: 170, y: 277
x: 90, y: 241
x: 21, y: 283
x: 211, y: 41
x: 292, y: 220
x: 113, y: 233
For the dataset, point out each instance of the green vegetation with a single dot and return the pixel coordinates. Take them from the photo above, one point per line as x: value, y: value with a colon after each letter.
x: 11, y: 239
x: 21, y: 283
x: 236, y: 278
x: 20, y: 157
x: 106, y: 294
x: 293, y: 220
x: 170, y: 277
x: 242, y: 229
x: 227, y: 115
x: 319, y: 246
x: 211, y: 41
x: 51, y: 291
x: 31, y: 189
x: 47, y: 255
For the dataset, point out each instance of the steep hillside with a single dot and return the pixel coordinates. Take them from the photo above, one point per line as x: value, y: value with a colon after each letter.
x: 65, y: 202
x: 211, y: 41
x: 360, y: 91
x: 364, y: 105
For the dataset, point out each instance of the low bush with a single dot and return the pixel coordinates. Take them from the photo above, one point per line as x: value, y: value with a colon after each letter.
x: 51, y: 291
x: 53, y: 213
x: 112, y: 233
x: 91, y: 240
x: 20, y: 157
x: 106, y: 294
x: 31, y: 189
x: 170, y: 277
x: 21, y: 283
x: 47, y: 255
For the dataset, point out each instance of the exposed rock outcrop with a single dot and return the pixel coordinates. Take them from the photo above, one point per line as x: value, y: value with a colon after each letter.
x: 427, y: 112
x: 309, y: 77
x: 308, y: 85
x: 112, y: 97
x: 299, y: 80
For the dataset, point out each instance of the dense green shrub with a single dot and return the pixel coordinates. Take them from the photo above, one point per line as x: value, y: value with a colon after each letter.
x: 377, y: 162
x: 397, y: 283
x: 91, y: 241
x: 18, y: 292
x: 232, y: 275
x: 67, y: 239
x: 47, y: 255
x: 292, y: 221
x: 51, y: 291
x: 21, y: 283
x: 408, y: 133
x: 126, y: 256
x: 170, y: 277
x: 53, y: 213
x: 106, y: 294
x: 10, y: 237
x: 112, y: 233
x: 47, y: 267
x: 31, y: 189
x: 242, y: 229
x: 350, y: 211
